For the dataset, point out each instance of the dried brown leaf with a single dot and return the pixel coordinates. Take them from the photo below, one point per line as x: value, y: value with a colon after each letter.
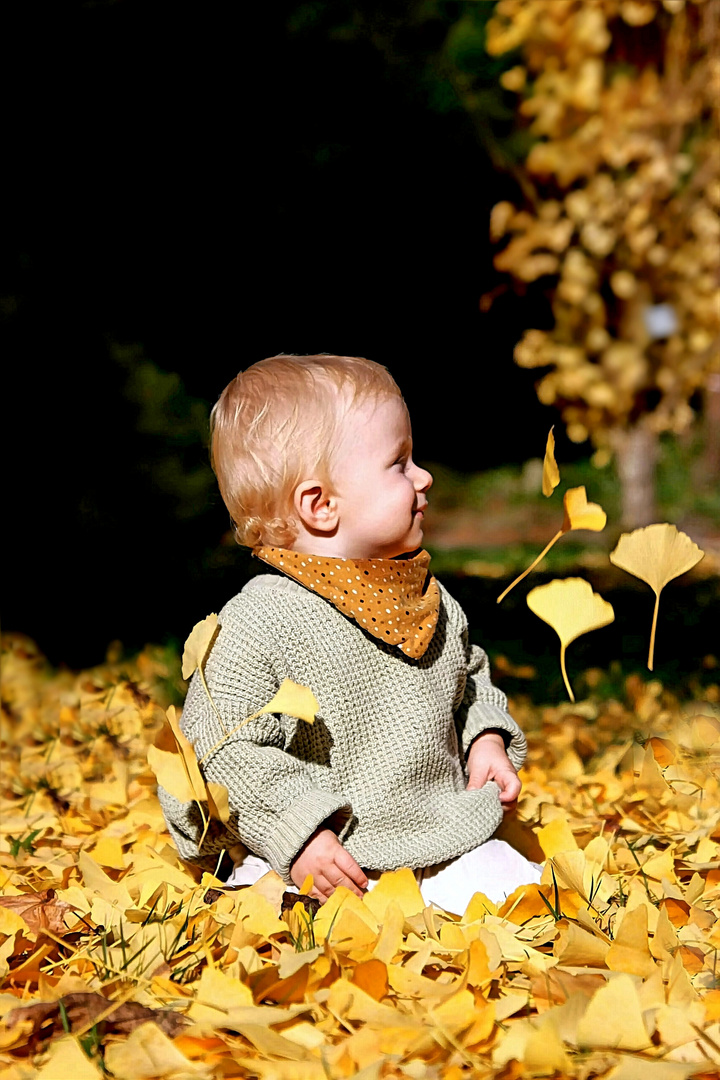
x: 39, y: 910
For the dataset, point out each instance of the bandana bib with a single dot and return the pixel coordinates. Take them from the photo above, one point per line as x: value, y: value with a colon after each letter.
x: 395, y: 600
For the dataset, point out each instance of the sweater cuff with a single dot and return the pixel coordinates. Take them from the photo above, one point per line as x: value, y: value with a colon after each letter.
x: 297, y: 824
x: 483, y: 718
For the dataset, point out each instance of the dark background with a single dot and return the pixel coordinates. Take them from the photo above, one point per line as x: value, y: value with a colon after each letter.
x: 188, y: 189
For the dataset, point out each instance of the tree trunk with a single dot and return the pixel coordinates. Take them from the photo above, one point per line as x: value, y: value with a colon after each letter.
x: 707, y: 474
x: 636, y: 450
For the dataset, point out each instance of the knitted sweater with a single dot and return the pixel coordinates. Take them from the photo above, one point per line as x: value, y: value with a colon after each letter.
x: 384, y: 762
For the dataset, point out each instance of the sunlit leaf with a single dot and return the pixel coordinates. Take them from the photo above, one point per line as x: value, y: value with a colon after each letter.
x: 656, y: 554
x: 614, y: 1018
x: 293, y: 699
x: 572, y: 608
x: 197, y: 644
x: 173, y: 760
x: 218, y: 804
x: 578, y: 514
x: 551, y: 473
x: 187, y: 756
x: 581, y: 514
x: 194, y: 654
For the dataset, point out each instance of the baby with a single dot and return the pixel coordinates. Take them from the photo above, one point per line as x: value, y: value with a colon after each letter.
x: 413, y: 756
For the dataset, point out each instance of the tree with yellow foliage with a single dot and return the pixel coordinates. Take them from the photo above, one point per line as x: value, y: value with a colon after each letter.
x: 622, y: 191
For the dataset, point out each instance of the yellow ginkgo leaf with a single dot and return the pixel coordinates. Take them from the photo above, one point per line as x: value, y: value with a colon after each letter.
x: 572, y: 608
x: 197, y: 644
x: 187, y: 755
x: 551, y: 473
x: 293, y: 699
x: 175, y: 765
x: 218, y: 801
x: 195, y: 651
x: 581, y: 514
x: 656, y: 555
x: 578, y: 514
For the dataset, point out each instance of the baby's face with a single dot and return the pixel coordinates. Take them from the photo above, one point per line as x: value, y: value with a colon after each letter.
x: 379, y: 488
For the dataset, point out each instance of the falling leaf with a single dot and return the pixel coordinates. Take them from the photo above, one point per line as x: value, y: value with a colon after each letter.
x: 656, y: 554
x: 572, y: 608
x: 173, y: 760
x: 581, y: 514
x: 551, y: 473
x: 197, y: 644
x: 194, y: 653
x: 578, y: 514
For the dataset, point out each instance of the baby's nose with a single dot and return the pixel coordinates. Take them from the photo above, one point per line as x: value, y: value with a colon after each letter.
x: 424, y: 480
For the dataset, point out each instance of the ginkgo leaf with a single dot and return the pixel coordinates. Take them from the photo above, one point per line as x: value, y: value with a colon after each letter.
x: 170, y: 773
x: 187, y: 756
x: 195, y: 651
x: 175, y: 765
x: 551, y: 473
x: 578, y: 514
x: 572, y: 608
x: 218, y: 801
x: 197, y: 644
x: 656, y: 554
x: 581, y: 514
x: 174, y: 762
x: 293, y: 699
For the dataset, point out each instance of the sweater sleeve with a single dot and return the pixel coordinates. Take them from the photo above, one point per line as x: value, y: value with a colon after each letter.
x: 276, y: 799
x: 484, y: 707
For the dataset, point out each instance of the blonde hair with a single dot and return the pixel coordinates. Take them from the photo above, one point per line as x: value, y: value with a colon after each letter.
x: 277, y: 424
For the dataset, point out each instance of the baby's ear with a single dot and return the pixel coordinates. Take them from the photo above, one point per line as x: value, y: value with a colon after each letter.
x: 316, y: 506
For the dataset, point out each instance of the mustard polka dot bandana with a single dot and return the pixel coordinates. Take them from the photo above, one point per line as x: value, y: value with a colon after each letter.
x: 396, y: 600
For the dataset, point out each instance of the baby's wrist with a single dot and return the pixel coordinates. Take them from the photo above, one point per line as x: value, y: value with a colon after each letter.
x: 491, y: 736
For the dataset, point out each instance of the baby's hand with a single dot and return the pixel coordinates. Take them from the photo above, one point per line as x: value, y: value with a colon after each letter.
x: 330, y: 865
x: 487, y: 760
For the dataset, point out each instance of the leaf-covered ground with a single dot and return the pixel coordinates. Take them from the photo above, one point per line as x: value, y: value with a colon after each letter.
x: 116, y: 960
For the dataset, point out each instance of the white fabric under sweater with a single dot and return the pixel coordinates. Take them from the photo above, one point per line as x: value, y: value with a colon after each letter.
x: 494, y: 868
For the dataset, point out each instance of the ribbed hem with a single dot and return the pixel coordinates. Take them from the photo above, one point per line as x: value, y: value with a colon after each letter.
x: 297, y: 825
x: 483, y: 717
x: 466, y: 820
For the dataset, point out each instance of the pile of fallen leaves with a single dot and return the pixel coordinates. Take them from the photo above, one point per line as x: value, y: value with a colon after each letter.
x: 116, y: 959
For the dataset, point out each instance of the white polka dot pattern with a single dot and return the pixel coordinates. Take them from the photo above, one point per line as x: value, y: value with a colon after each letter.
x: 395, y: 600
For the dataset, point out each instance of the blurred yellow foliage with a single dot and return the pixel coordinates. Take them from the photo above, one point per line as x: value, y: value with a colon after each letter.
x: 622, y: 193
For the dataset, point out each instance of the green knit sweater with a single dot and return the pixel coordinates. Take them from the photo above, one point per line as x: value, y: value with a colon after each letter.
x: 384, y: 762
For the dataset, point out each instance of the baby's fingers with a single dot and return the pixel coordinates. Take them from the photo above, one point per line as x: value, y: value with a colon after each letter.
x: 510, y: 787
x: 332, y: 880
x: 350, y: 870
